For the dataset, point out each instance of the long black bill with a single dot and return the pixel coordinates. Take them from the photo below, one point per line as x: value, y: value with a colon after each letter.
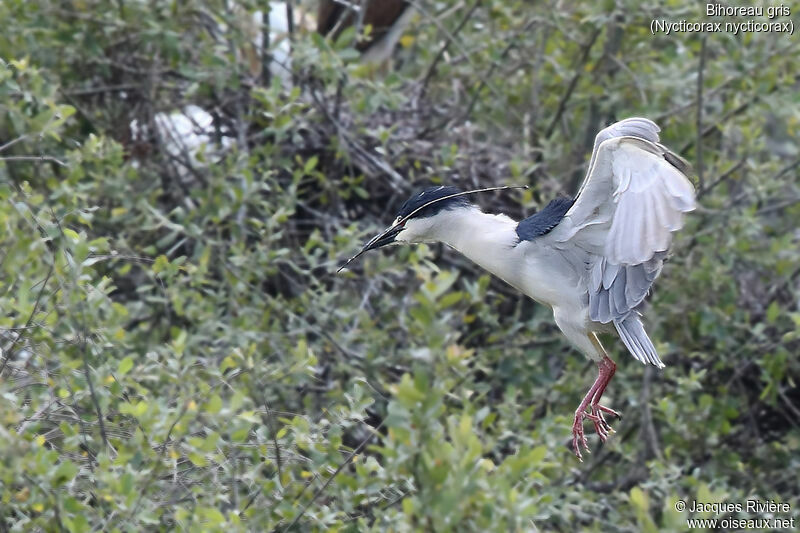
x: 387, y: 237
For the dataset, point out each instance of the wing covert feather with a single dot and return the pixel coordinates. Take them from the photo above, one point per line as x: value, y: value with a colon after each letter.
x: 632, y: 200
x: 630, y: 203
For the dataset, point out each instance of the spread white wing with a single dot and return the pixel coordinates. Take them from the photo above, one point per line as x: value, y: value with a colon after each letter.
x: 631, y: 202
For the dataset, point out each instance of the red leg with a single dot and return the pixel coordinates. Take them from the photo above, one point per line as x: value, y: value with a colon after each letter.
x: 578, y: 437
x: 605, y: 371
x: 606, y: 367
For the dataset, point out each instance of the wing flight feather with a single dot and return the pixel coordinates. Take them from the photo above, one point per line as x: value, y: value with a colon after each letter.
x: 632, y: 200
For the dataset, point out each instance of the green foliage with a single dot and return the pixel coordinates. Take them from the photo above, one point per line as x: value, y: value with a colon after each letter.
x: 177, y: 353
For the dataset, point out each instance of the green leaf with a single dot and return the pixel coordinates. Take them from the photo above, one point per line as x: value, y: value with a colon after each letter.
x: 160, y: 264
x: 125, y: 366
x: 407, y: 393
x: 65, y: 472
x: 311, y: 164
x: 639, y: 499
x: 71, y: 234
x: 197, y: 459
x: 537, y: 454
x: 214, y: 404
x: 773, y: 312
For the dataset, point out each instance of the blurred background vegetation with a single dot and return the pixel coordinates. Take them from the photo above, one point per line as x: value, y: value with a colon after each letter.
x: 176, y: 352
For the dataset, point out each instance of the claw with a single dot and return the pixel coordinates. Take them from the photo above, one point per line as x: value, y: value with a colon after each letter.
x: 578, y: 435
x: 601, y: 426
x: 606, y: 369
x: 607, y: 410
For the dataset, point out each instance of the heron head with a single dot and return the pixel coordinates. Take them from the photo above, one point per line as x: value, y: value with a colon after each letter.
x: 417, y: 218
x: 422, y: 216
x: 426, y: 210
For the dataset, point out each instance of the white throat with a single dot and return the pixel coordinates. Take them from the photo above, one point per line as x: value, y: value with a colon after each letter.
x: 486, y: 239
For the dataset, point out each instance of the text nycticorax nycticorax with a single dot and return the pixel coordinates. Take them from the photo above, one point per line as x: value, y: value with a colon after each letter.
x: 592, y: 259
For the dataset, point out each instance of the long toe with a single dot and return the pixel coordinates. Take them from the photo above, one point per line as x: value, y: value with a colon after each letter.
x: 601, y: 427
x: 578, y: 436
x: 576, y: 449
x: 601, y: 431
x: 606, y: 410
x: 578, y: 440
x: 601, y: 419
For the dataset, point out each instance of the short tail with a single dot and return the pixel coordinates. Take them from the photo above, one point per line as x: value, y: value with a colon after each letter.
x: 632, y: 333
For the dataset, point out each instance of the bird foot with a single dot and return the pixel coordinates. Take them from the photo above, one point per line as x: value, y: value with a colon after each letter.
x: 601, y: 427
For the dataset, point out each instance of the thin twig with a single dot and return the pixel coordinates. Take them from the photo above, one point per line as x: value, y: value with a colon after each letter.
x: 104, y: 89
x: 727, y: 174
x: 86, y: 368
x: 12, y: 142
x: 778, y: 206
x: 30, y: 318
x: 789, y: 405
x: 92, y: 393
x: 699, y: 142
x: 278, y: 461
x: 784, y: 51
x: 788, y: 168
x: 341, y: 467
x: 503, y: 54
x: 43, y: 158
x: 707, y: 130
x: 397, y: 181
x: 53, y: 494
x: 647, y: 428
x: 241, y: 137
x: 562, y: 104
x: 443, y: 49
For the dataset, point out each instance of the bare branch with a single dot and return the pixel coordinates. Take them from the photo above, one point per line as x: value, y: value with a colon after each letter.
x: 341, y: 467
x: 44, y: 158
x: 12, y: 142
x: 443, y: 49
x: 727, y: 174
x: 562, y: 104
x: 35, y: 309
x: 503, y: 54
x: 699, y: 142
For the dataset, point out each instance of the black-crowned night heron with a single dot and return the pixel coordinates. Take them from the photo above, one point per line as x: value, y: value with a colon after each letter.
x: 592, y: 259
